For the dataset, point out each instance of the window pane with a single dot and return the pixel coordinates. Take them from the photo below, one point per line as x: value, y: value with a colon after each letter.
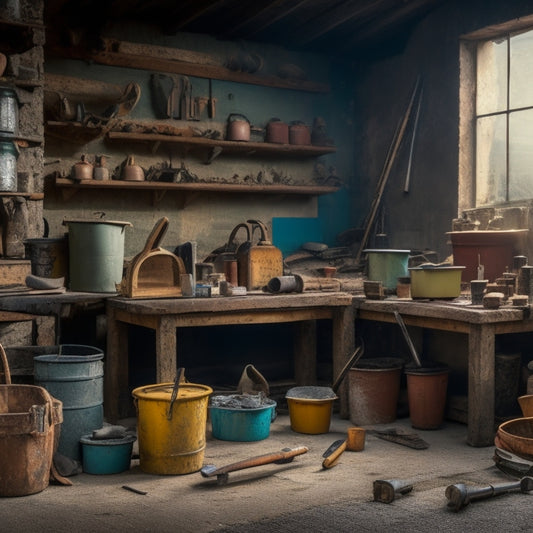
x: 521, y: 155
x: 521, y: 71
x: 490, y: 160
x: 492, y: 77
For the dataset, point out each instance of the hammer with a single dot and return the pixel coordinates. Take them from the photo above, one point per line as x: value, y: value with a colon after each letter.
x: 460, y: 495
x: 385, y: 490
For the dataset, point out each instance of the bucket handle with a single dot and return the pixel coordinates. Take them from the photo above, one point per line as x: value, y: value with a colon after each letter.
x: 174, y: 395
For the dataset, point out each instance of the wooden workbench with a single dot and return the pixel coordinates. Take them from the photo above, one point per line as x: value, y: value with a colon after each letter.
x: 164, y: 316
x: 481, y: 325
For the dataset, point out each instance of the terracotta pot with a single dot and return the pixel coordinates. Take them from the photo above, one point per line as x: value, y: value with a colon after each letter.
x: 277, y: 132
x: 299, y: 133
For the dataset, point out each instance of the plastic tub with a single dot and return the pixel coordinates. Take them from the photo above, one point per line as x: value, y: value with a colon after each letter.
x: 106, y: 456
x: 244, y: 425
x: 436, y: 282
x: 310, y: 409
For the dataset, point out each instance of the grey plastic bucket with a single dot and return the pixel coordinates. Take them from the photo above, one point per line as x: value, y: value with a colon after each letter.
x: 96, y: 254
x: 74, y: 375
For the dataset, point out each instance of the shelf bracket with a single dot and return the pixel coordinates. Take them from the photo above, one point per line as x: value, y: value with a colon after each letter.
x: 213, y: 153
x: 68, y: 193
x: 157, y: 197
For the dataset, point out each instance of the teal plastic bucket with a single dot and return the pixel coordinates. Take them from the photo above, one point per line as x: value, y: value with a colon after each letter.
x: 74, y: 375
x: 387, y: 266
x: 96, y: 254
x: 242, y: 425
x: 106, y: 456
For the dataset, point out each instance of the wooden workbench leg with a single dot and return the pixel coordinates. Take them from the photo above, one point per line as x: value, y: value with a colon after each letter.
x: 165, y: 350
x: 117, y: 398
x: 481, y: 385
x: 305, y: 352
x: 343, y: 347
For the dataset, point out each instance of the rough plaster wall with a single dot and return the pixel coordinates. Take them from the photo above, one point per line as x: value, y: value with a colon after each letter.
x: 420, y: 218
x: 207, y: 218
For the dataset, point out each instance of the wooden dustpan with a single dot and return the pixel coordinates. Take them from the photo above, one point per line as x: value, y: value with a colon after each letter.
x: 154, y: 272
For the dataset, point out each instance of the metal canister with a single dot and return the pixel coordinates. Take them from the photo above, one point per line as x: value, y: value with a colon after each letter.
x: 8, y: 167
x: 9, y: 113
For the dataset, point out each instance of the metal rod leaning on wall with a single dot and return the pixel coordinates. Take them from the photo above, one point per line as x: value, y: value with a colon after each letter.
x: 391, y: 156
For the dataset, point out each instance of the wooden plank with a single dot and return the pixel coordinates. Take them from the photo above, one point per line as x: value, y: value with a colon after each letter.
x: 481, y: 346
x: 305, y: 357
x: 228, y: 146
x: 84, y: 89
x: 117, y: 59
x: 165, y: 350
x: 343, y: 332
x: 11, y: 316
x: 196, y: 187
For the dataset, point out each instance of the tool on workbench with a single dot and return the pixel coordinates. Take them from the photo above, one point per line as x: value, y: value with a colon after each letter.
x: 460, y: 495
x: 386, y: 490
x: 153, y: 272
x: 258, y: 262
x: 284, y: 456
x: 332, y: 454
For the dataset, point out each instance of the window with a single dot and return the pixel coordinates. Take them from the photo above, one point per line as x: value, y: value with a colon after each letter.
x: 504, y: 119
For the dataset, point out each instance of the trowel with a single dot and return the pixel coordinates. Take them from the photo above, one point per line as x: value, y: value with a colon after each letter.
x: 286, y: 455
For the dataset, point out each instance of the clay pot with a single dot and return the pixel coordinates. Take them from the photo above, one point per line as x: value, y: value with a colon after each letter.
x: 299, y: 133
x: 277, y: 132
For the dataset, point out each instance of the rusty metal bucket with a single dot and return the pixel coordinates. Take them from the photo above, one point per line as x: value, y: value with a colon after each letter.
x: 28, y: 420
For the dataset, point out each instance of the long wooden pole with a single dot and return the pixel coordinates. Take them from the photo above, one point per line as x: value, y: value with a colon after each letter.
x: 386, y: 172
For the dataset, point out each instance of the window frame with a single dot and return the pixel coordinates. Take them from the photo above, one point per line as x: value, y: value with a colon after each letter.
x: 468, y: 48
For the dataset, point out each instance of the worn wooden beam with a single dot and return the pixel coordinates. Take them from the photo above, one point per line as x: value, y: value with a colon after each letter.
x: 344, y: 12
x: 157, y: 64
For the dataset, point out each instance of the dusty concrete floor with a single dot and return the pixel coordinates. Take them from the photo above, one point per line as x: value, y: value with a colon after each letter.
x: 300, y: 496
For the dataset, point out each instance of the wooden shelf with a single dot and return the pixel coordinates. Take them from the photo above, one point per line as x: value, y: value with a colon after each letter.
x: 227, y: 146
x: 73, y: 132
x: 160, y: 188
x: 158, y: 64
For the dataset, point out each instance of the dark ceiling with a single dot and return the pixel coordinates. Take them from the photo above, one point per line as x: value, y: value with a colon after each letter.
x: 354, y: 28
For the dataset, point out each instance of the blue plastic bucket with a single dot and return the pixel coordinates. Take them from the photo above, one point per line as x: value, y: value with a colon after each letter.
x: 74, y: 375
x: 106, y: 456
x: 243, y: 425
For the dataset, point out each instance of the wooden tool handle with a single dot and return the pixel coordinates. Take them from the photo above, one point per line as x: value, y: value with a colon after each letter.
x: 331, y: 459
x: 285, y: 455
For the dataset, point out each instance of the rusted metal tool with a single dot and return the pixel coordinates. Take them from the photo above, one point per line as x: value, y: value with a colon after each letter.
x: 385, y: 490
x: 460, y: 495
x: 286, y: 455
x: 332, y: 454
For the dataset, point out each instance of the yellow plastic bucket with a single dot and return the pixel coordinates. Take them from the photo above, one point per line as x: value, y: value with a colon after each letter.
x: 175, y: 445
x: 310, y: 416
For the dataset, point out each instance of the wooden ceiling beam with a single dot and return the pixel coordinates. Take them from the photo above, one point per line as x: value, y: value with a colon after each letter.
x: 343, y: 13
x: 393, y: 18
